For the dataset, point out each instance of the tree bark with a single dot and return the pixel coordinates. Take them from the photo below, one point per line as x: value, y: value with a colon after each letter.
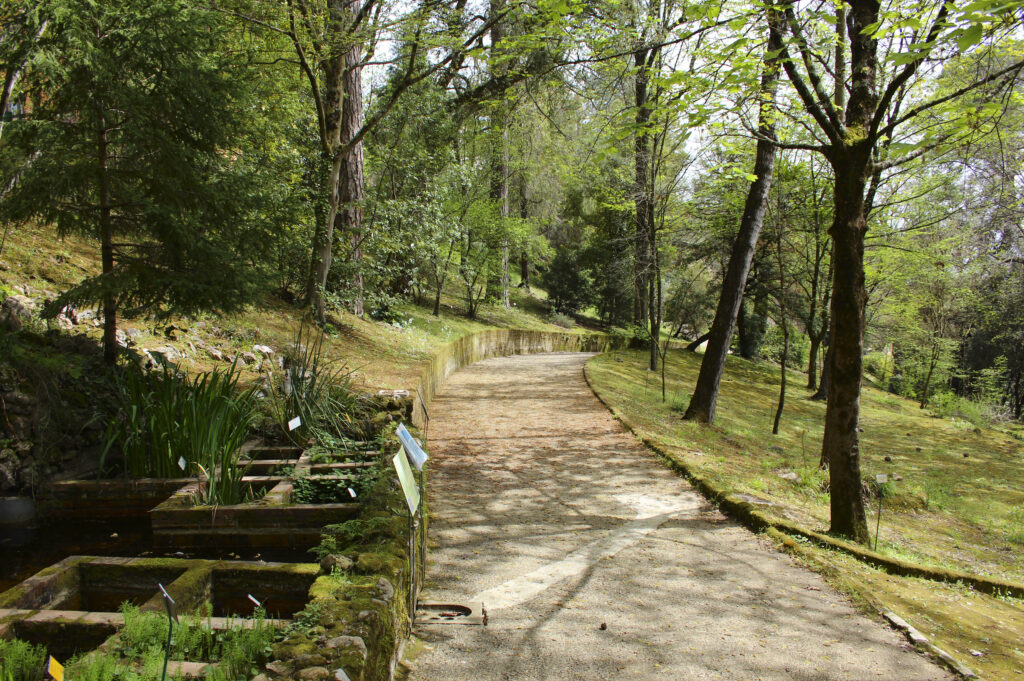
x: 106, y: 243
x: 782, y: 377
x: 705, y: 394
x: 852, y: 165
x: 352, y: 189
x: 693, y: 345
x: 812, y: 363
x: 641, y: 181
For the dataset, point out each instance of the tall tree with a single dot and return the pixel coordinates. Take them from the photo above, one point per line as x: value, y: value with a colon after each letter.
x: 138, y: 109
x: 855, y: 139
x: 705, y: 394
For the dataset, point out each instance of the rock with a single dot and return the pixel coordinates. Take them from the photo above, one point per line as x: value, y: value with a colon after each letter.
x: 387, y: 592
x: 790, y: 475
x: 279, y: 668
x: 340, y: 675
x: 966, y: 455
x: 15, y: 311
x: 313, y: 674
x: 897, y: 478
x: 335, y: 560
x: 85, y: 315
x: 63, y: 322
x: 348, y: 642
x: 264, y: 350
x: 169, y: 353
x: 250, y: 357
x: 216, y: 354
x: 309, y: 660
x: 147, y: 361
x: 261, y: 677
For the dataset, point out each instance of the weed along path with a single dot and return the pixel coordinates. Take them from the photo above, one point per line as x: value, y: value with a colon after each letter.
x: 595, y: 562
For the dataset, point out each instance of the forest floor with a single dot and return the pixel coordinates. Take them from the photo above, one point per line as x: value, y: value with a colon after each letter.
x: 593, y: 561
x: 954, y: 500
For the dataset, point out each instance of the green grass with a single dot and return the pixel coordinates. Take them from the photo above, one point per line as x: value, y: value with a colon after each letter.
x: 380, y: 354
x: 947, y: 510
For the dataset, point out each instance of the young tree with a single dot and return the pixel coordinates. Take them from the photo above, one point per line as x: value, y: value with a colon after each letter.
x: 137, y: 108
x: 856, y: 138
x: 705, y: 394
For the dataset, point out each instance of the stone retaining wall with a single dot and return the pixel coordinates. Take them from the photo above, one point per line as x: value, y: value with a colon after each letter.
x: 501, y: 343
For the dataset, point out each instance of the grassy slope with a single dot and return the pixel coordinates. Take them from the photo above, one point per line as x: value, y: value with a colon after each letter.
x: 947, y: 510
x: 380, y: 355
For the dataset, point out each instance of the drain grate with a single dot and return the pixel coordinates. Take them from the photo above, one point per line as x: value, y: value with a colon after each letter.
x: 450, y: 613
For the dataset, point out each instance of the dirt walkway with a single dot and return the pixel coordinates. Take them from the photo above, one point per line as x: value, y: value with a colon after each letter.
x: 595, y: 562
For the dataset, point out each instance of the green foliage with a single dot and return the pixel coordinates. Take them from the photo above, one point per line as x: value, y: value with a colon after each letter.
x: 21, y: 661
x: 161, y: 417
x: 135, y: 106
x: 240, y: 649
x: 319, y: 391
x: 569, y: 284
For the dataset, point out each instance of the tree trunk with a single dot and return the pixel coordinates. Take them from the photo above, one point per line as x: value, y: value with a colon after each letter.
x: 851, y: 161
x: 106, y: 245
x: 331, y: 170
x: 841, y: 444
x: 705, y: 394
x: 821, y: 394
x: 437, y: 302
x: 641, y: 187
x: 782, y: 377
x: 352, y: 188
x: 928, y: 378
x: 694, y: 344
x: 812, y: 363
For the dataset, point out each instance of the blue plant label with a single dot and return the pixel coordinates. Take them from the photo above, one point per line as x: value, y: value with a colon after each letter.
x: 416, y: 455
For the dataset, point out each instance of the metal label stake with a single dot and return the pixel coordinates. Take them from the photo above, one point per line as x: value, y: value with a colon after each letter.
x: 172, y: 617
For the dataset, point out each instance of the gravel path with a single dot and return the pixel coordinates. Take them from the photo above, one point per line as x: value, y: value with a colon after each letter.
x: 595, y: 562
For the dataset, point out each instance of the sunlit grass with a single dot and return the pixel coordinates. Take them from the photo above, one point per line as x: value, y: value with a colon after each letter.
x: 947, y: 509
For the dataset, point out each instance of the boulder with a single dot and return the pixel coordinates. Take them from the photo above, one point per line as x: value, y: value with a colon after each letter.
x: 335, y: 560
x: 314, y: 674
x: 16, y: 310
x: 264, y: 350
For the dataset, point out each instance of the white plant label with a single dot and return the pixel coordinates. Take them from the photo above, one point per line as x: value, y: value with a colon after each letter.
x: 182, y: 463
x: 294, y: 423
x: 351, y: 492
x: 255, y: 602
x: 881, y: 478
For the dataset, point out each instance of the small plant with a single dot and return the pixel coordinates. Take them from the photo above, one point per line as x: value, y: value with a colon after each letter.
x: 163, y: 417
x: 21, y: 661
x: 239, y: 649
x: 319, y: 392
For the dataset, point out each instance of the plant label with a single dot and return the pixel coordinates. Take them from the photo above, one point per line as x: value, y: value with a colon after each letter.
x: 182, y: 463
x: 405, y: 476
x: 294, y: 423
x: 55, y: 669
x: 416, y: 455
x: 168, y: 603
x: 254, y: 601
x: 351, y: 492
x: 882, y: 478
